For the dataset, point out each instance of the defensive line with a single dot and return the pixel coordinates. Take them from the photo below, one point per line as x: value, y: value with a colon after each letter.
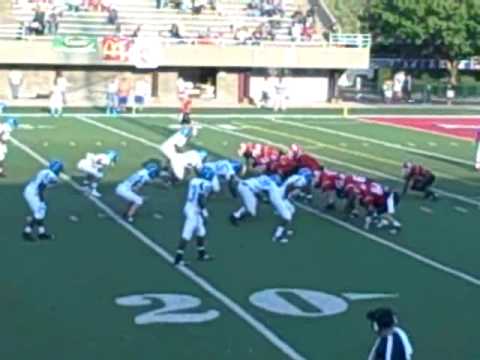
x: 262, y: 329
x: 423, y: 259
x: 343, y: 149
x: 374, y: 141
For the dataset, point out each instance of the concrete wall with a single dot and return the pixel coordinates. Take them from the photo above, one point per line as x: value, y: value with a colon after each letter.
x: 20, y: 52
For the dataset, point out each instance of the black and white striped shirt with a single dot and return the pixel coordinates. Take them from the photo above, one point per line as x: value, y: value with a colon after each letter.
x: 394, y: 346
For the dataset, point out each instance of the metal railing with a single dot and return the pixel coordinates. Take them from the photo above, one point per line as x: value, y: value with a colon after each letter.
x: 350, y: 40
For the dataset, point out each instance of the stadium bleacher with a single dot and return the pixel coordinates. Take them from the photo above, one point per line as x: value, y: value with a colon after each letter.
x: 230, y: 14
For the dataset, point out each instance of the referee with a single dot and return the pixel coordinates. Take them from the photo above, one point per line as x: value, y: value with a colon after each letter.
x: 392, y: 342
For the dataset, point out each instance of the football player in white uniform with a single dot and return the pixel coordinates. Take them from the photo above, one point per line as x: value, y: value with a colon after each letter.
x: 188, y: 160
x: 34, y: 195
x: 177, y: 141
x: 293, y: 185
x: 92, y: 165
x: 228, y: 171
x: 128, y: 189
x: 249, y: 191
x: 196, y: 214
x: 6, y: 129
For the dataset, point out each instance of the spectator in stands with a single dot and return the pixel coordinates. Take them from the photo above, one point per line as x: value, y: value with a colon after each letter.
x: 37, y: 25
x: 175, y: 32
x: 257, y: 35
x: 161, y: 4
x: 242, y: 35
x: 137, y: 31
x: 267, y: 8
x: 52, y: 22
x: 198, y: 6
x: 254, y: 8
x: 278, y: 8
x: 74, y: 5
x: 112, y: 17
x: 269, y: 30
x: 297, y: 15
x: 15, y: 80
x: 296, y: 31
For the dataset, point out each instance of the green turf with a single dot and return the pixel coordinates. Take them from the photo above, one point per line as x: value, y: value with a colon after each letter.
x: 59, y: 297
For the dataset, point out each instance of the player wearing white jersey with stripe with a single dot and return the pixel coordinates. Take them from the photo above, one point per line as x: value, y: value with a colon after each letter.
x: 93, y: 165
x: 34, y: 196
x: 188, y: 160
x: 128, y: 189
x: 228, y: 171
x: 6, y: 129
x: 196, y: 214
x: 177, y: 141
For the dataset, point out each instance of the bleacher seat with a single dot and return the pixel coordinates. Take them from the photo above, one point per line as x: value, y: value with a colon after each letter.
x: 156, y: 21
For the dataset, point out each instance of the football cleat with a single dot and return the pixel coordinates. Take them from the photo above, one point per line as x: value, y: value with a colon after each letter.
x: 233, y: 220
x: 206, y: 257
x: 330, y: 206
x: 28, y: 236
x: 95, y: 193
x: 46, y: 236
x: 283, y: 240
x: 180, y: 263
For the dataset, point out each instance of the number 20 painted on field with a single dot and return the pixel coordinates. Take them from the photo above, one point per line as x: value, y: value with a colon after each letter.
x: 181, y: 308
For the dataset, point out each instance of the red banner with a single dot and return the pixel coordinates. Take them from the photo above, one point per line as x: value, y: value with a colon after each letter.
x: 116, y: 48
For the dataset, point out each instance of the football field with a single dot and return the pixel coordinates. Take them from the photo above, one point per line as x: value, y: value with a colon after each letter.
x: 106, y: 289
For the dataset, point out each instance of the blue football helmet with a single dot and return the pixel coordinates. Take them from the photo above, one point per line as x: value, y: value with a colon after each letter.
x: 203, y: 154
x: 277, y: 179
x: 12, y: 122
x: 306, y: 173
x: 207, y: 173
x: 112, y: 155
x: 153, y: 170
x: 56, y: 166
x: 187, y: 131
x: 238, y: 167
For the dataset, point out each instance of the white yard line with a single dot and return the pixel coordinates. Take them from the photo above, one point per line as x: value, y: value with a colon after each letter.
x: 197, y: 279
x: 412, y: 254
x: 387, y: 144
x: 423, y: 259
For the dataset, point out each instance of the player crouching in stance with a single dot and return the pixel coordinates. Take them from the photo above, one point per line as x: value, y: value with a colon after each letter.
x: 380, y: 203
x: 418, y: 178
x: 251, y: 189
x: 6, y: 129
x: 196, y: 214
x: 92, y: 165
x: 227, y: 171
x: 128, y: 189
x: 34, y: 195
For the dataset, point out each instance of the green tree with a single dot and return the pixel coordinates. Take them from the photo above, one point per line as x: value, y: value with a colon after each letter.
x: 439, y: 29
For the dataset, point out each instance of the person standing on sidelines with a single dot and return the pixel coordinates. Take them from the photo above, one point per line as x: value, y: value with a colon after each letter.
x: 280, y: 100
x: 477, y: 145
x: 392, y: 342
x: 112, y: 100
x: 56, y: 101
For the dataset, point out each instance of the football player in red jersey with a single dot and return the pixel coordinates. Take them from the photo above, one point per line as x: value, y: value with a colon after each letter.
x: 326, y: 181
x: 303, y: 159
x: 380, y: 203
x: 418, y: 178
x: 284, y: 166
